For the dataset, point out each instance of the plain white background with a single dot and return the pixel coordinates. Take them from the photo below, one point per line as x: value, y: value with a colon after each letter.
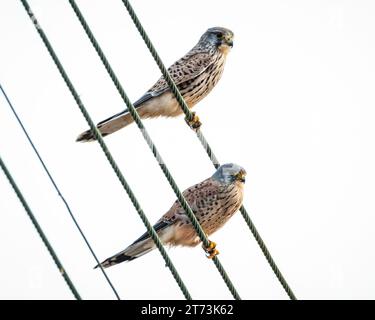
x: 295, y: 107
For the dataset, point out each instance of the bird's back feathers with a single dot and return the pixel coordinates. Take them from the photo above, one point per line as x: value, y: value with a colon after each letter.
x: 184, y: 72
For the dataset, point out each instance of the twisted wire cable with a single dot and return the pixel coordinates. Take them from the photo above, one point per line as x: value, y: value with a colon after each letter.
x: 107, y: 153
x: 32, y: 144
x: 153, y: 148
x: 41, y: 234
x: 205, y: 144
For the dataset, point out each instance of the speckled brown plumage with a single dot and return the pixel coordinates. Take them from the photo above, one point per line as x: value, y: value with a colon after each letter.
x: 214, y: 201
x: 195, y: 75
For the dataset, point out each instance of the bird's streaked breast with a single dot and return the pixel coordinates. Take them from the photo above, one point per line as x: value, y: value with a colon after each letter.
x: 196, y: 89
x: 221, y: 208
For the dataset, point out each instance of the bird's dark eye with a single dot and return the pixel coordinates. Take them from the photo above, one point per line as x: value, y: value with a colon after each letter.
x: 219, y: 35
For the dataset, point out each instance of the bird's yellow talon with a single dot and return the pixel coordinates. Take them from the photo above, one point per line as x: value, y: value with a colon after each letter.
x: 194, y: 123
x: 213, y: 253
x: 211, y: 250
x: 212, y: 245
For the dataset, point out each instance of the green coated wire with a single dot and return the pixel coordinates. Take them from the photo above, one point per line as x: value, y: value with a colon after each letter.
x: 153, y: 148
x: 205, y: 144
x: 57, y: 189
x: 40, y: 231
x: 107, y: 153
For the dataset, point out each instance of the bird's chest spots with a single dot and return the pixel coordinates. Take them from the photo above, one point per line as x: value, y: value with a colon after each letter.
x: 226, y: 205
x: 196, y: 89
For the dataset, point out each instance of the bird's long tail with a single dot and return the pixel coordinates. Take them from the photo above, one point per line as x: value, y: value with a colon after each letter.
x: 108, y: 126
x: 132, y: 252
x: 121, y: 119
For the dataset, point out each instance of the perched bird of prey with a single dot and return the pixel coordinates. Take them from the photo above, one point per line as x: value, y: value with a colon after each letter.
x: 195, y: 76
x: 213, y: 201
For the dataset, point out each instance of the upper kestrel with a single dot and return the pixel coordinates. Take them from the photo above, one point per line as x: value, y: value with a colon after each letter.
x: 213, y: 201
x: 195, y: 75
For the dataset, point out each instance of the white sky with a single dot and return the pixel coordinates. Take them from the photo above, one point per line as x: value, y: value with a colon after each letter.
x: 295, y: 107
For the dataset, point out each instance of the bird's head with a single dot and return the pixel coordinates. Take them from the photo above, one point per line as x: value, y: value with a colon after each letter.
x: 219, y: 38
x: 229, y: 173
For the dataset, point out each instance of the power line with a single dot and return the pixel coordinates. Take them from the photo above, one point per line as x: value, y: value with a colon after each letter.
x: 153, y: 148
x: 205, y: 144
x: 106, y: 151
x: 57, y: 189
x: 40, y: 231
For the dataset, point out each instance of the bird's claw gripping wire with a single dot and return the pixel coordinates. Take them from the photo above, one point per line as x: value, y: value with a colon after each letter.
x: 194, y: 123
x: 210, y: 250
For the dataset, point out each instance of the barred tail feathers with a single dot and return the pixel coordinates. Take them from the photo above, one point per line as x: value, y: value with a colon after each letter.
x: 108, y: 126
x: 132, y: 252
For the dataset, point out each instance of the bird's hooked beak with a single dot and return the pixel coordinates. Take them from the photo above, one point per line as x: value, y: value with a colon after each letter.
x: 227, y: 40
x: 226, y: 44
x: 240, y: 176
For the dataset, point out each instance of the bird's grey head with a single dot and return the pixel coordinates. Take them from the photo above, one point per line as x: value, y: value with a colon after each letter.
x: 218, y: 38
x: 229, y: 173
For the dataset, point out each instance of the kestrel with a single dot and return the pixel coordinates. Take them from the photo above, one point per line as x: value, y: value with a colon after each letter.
x: 195, y: 76
x: 214, y: 201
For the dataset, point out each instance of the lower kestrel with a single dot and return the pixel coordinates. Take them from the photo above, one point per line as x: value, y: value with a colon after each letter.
x: 213, y: 201
x: 195, y: 75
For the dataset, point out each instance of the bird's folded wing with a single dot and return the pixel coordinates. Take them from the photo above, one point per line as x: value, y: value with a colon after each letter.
x: 195, y: 197
x: 158, y: 226
x: 187, y: 68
